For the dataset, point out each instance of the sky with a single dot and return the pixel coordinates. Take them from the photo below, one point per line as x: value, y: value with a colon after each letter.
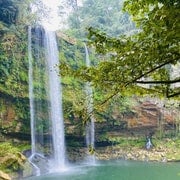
x: 52, y: 22
x: 55, y: 22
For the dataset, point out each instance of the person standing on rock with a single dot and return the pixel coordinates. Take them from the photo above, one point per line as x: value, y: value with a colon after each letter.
x: 149, y: 144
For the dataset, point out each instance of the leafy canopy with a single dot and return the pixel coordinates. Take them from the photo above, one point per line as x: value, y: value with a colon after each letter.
x: 144, y: 62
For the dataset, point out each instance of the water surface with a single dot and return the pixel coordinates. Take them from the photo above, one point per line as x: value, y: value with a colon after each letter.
x: 117, y: 170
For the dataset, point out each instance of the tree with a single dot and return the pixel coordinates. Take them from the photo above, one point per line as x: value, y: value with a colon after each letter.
x: 14, y: 18
x: 145, y: 58
x: 100, y: 14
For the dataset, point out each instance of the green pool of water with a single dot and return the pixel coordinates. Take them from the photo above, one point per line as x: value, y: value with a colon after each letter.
x: 117, y: 170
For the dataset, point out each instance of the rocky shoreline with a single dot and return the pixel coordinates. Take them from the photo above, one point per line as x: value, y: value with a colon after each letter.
x: 158, y: 154
x: 137, y: 154
x: 163, y: 151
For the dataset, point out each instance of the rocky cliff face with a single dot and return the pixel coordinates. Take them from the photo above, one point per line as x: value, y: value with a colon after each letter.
x: 150, y: 114
x: 14, y: 115
x: 8, y: 114
x: 147, y: 117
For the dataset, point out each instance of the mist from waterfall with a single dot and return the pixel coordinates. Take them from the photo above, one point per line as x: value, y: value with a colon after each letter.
x: 90, y: 127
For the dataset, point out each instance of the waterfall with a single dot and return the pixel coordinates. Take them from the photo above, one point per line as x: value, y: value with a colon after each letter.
x: 31, y: 102
x: 90, y: 127
x: 45, y: 96
x: 55, y: 98
x: 45, y: 93
x: 31, y: 99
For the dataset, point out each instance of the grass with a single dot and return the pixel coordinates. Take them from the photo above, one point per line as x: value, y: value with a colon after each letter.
x: 128, y: 141
x: 7, y: 148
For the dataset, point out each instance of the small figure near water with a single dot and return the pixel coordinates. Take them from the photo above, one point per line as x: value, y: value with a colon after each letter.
x: 149, y: 143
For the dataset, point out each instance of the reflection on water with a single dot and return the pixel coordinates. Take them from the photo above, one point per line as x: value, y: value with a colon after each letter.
x: 118, y: 170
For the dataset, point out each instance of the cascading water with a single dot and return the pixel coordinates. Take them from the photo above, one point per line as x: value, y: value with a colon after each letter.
x: 31, y: 101
x: 90, y: 127
x: 55, y: 98
x: 47, y: 126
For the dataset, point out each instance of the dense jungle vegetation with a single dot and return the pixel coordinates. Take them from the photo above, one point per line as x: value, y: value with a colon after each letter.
x: 127, y: 58
x: 134, y: 48
x: 134, y: 61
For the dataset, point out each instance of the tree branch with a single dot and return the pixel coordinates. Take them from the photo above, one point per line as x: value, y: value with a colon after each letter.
x: 173, y: 95
x: 148, y: 72
x: 159, y: 82
x: 154, y: 69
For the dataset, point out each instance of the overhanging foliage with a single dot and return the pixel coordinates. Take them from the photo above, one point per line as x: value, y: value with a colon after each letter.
x: 144, y: 58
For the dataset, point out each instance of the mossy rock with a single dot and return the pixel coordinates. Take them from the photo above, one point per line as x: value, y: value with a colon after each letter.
x: 11, y: 160
x: 4, y: 176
